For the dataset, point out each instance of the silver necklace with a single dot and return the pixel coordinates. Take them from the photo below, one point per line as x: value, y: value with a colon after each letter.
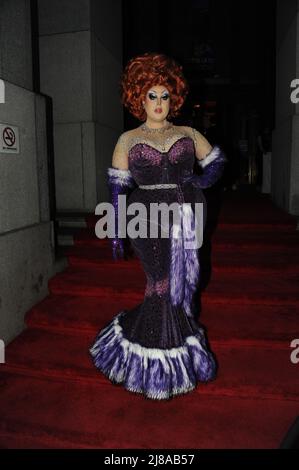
x: 144, y: 127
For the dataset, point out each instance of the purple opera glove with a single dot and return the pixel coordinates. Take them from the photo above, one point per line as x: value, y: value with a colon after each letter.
x: 212, y: 165
x: 119, y: 182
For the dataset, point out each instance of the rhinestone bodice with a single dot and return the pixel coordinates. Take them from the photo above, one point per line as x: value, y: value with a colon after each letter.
x: 160, y: 158
x: 151, y: 166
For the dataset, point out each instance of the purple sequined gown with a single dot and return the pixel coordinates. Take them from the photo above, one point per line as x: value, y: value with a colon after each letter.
x: 158, y: 349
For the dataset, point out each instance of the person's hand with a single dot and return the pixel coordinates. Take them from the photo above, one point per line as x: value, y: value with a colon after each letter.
x: 117, y: 249
x: 190, y: 178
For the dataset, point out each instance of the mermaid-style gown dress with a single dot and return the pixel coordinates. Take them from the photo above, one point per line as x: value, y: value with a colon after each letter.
x: 158, y: 349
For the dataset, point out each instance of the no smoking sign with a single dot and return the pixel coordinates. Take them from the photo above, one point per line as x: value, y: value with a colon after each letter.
x: 9, y: 139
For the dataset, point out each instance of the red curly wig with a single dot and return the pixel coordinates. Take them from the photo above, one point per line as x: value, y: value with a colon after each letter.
x: 147, y: 70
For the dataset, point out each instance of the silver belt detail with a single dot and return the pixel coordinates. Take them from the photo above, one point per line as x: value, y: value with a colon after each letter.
x: 158, y: 186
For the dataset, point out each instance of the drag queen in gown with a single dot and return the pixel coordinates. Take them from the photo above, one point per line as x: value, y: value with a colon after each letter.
x: 157, y: 348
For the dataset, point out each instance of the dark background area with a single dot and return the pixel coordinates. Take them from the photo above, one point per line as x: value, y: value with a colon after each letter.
x: 227, y: 49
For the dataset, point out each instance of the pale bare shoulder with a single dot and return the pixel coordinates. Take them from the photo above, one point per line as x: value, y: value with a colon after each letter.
x: 202, y: 145
x: 120, y: 157
x: 123, y: 139
x: 186, y: 129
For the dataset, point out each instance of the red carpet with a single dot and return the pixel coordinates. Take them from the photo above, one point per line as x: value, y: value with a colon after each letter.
x: 52, y: 395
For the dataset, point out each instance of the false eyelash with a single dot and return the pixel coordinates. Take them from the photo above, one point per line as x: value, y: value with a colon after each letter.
x: 155, y: 96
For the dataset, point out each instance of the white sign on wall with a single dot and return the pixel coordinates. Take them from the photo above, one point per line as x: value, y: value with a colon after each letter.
x: 2, y: 352
x: 9, y: 139
x: 2, y: 91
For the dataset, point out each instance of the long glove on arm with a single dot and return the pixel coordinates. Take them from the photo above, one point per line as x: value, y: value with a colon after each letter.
x: 119, y: 182
x: 212, y: 165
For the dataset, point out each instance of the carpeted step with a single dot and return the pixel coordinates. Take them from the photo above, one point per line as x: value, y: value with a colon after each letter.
x: 252, y: 207
x: 76, y: 313
x: 251, y: 323
x: 243, y: 260
x: 59, y: 355
x: 255, y: 238
x: 236, y: 259
x: 264, y: 236
x: 100, y: 280
x: 67, y: 414
x: 52, y: 396
x: 247, y: 287
x: 234, y: 323
x: 251, y: 288
x: 85, y: 255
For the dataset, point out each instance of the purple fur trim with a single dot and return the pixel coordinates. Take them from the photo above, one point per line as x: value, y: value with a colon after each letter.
x: 177, y: 265
x: 184, y: 267
x: 211, y: 156
x: 156, y: 373
x: 191, y: 258
x: 121, y: 177
x: 213, y: 166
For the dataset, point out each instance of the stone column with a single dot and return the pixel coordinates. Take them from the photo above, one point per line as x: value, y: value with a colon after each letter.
x: 80, y: 64
x: 26, y: 241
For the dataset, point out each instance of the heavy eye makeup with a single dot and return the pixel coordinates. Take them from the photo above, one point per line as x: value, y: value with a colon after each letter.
x: 153, y: 96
